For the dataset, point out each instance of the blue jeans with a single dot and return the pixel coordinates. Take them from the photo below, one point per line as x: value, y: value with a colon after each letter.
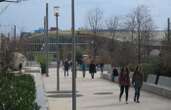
x: 137, y: 93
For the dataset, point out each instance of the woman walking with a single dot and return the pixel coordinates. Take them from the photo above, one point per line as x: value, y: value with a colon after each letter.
x: 92, y: 69
x: 83, y: 66
x: 124, y: 82
x: 137, y: 82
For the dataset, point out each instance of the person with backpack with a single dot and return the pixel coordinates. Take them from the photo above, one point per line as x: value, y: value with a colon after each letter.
x: 124, y: 83
x: 137, y: 82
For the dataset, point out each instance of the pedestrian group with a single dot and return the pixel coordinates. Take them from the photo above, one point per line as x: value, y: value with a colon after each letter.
x: 123, y: 78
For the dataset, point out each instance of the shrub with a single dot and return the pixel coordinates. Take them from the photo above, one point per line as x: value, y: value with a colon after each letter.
x: 17, y: 92
x: 41, y: 59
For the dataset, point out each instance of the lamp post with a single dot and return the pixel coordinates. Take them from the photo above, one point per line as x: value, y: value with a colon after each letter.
x: 73, y: 55
x: 56, y: 14
x: 46, y: 40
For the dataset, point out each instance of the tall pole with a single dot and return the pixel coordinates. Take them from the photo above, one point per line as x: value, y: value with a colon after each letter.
x: 57, y: 57
x: 15, y: 43
x: 73, y: 56
x: 139, y: 43
x: 0, y: 51
x: 46, y: 34
x: 14, y: 32
x: 168, y: 29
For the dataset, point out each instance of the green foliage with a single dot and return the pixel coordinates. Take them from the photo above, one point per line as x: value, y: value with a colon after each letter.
x: 41, y: 59
x: 147, y: 69
x: 79, y: 54
x: 166, y: 57
x: 151, y: 65
x: 17, y: 92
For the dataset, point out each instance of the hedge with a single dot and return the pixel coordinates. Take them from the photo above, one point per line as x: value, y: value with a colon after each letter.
x: 17, y: 92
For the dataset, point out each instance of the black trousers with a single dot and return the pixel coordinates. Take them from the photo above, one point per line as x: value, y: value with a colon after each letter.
x: 122, y: 89
x: 66, y: 73
x: 92, y: 75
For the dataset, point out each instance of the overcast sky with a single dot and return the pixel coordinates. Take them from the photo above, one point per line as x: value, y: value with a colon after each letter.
x: 28, y: 15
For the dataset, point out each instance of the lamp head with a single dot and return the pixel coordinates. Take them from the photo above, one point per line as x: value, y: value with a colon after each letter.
x: 56, y: 11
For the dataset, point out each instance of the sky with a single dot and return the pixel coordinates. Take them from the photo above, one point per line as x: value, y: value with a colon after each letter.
x: 28, y: 15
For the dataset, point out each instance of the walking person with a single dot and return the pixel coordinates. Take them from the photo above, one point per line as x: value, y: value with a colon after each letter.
x: 114, y: 73
x: 101, y: 67
x: 66, y: 68
x: 124, y: 83
x: 83, y: 66
x: 137, y: 82
x: 92, y: 69
x: 20, y: 67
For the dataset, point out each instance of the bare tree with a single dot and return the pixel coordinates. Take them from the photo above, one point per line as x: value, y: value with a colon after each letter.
x: 95, y: 23
x: 131, y: 24
x: 112, y: 25
x: 95, y: 20
x: 141, y: 23
x: 166, y: 52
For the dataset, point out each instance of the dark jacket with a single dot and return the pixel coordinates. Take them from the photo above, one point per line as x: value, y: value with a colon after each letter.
x: 124, y: 79
x: 137, y: 79
x: 92, y: 68
x: 66, y: 65
x: 115, y: 72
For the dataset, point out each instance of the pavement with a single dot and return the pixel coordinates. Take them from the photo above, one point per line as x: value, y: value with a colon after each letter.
x: 96, y: 94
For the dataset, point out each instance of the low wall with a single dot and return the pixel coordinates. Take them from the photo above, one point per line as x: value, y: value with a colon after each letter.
x: 164, y: 81
x: 151, y: 79
x: 157, y: 89
x: 107, y: 77
x: 148, y: 86
x: 40, y: 91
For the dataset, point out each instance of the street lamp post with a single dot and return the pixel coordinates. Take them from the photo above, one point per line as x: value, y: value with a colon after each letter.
x: 56, y: 14
x: 46, y: 40
x: 73, y: 56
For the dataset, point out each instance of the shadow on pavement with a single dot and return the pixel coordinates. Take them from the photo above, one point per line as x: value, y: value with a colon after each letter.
x: 63, y: 95
x: 103, y: 93
x: 62, y: 91
x: 108, y: 105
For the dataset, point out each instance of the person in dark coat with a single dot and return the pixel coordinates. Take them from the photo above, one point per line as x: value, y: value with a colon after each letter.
x: 92, y: 69
x: 66, y: 68
x: 124, y: 83
x: 114, y: 73
x: 20, y: 67
x: 137, y: 82
x: 101, y: 67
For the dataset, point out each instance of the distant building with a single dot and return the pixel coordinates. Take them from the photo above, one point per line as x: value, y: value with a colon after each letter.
x: 53, y: 29
x: 40, y: 30
x: 25, y: 34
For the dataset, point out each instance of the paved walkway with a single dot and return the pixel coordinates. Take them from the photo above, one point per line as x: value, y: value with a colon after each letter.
x: 97, y: 94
